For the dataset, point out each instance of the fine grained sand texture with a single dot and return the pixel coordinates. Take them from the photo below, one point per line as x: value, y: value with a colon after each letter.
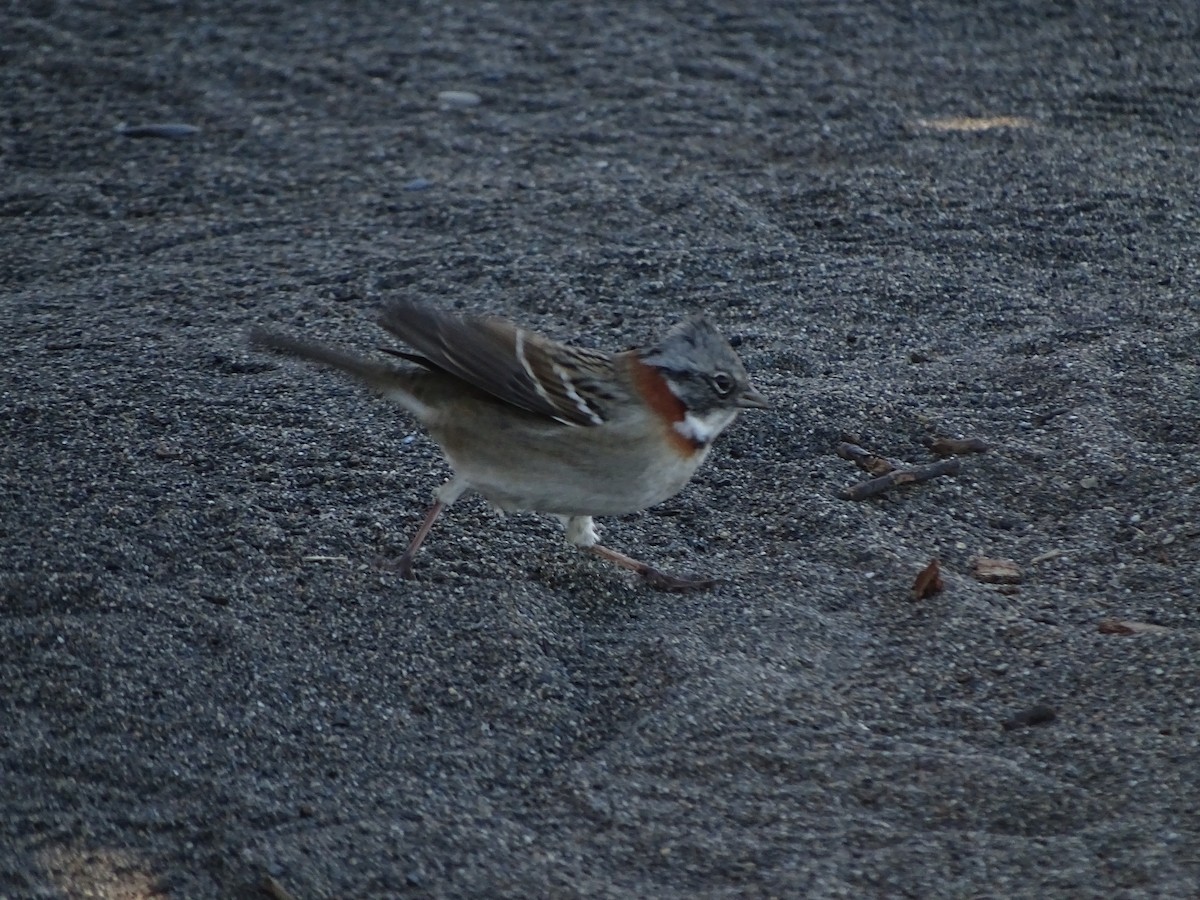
x: 915, y: 220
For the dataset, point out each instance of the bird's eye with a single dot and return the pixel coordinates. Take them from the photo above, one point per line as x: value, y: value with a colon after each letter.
x: 722, y: 383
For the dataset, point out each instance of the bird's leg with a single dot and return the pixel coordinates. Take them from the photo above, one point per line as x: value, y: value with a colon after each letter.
x: 655, y: 578
x: 404, y: 565
x: 446, y: 495
x: 582, y: 533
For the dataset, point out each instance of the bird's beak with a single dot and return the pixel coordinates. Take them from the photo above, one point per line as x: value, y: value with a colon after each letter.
x: 752, y: 399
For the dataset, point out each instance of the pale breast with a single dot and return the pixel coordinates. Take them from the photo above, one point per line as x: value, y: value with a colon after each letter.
x: 572, y: 471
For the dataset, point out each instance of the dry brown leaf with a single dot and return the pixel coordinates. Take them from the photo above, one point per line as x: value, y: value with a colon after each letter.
x: 928, y: 582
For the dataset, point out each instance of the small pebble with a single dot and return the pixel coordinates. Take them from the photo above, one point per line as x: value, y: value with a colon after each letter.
x: 458, y: 99
x: 419, y: 184
x: 1042, y: 714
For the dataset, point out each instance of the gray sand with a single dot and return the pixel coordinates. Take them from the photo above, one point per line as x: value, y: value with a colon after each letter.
x: 964, y: 220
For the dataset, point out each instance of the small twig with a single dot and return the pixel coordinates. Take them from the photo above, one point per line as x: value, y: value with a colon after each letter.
x: 1117, y: 626
x: 1047, y: 556
x: 869, y: 462
x: 957, y: 446
x: 877, y: 486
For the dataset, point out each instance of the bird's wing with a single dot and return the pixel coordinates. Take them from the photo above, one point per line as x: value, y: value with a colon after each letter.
x: 569, y: 384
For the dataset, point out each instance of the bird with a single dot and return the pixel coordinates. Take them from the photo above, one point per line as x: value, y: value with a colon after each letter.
x: 534, y: 425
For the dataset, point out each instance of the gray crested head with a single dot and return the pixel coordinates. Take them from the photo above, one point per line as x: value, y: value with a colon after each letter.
x: 702, y: 368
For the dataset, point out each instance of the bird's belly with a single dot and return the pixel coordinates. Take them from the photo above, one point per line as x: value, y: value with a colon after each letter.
x: 575, y: 472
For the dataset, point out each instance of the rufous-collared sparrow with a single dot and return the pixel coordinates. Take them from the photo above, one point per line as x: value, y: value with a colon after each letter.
x: 537, y: 426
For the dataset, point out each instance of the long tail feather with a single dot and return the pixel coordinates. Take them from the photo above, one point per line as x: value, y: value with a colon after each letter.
x: 376, y: 374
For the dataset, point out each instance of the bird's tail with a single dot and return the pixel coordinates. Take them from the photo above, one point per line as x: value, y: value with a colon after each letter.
x: 381, y: 376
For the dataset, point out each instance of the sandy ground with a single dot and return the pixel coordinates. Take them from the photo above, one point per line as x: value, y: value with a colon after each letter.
x: 916, y: 220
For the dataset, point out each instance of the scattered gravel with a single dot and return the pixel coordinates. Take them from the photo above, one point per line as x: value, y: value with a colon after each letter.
x: 935, y: 221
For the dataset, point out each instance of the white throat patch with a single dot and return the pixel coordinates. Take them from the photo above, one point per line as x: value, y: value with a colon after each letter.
x: 703, y: 430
